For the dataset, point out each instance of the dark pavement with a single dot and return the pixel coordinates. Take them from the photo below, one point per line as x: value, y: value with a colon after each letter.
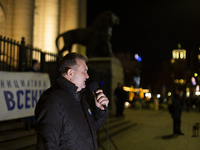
x: 154, y: 131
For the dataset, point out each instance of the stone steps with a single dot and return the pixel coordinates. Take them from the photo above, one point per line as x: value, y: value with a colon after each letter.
x: 11, y: 125
x: 19, y: 143
x: 115, y: 126
x: 14, y: 136
x: 33, y: 147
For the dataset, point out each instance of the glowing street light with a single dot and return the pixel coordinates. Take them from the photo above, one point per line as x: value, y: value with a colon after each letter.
x: 158, y: 95
x: 138, y: 58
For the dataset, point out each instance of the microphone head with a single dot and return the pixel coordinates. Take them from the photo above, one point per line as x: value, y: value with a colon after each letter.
x: 93, y: 86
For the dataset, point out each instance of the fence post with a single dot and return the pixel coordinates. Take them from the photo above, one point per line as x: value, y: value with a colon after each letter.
x: 42, y: 62
x: 58, y: 60
x: 22, y: 55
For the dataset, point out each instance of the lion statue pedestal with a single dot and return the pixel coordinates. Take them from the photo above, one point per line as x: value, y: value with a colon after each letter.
x: 107, y: 72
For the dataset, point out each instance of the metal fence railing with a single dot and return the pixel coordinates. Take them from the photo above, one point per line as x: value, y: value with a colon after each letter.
x: 9, y: 54
x: 15, y: 56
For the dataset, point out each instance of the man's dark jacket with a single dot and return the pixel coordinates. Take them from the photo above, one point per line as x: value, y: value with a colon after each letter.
x: 177, y: 108
x: 64, y: 120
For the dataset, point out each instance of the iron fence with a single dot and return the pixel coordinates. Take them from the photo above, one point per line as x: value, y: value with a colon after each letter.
x: 15, y: 56
x: 9, y: 54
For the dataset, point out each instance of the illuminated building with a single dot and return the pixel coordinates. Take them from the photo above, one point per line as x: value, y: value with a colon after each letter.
x: 41, y: 21
x: 182, y: 75
x: 179, y: 66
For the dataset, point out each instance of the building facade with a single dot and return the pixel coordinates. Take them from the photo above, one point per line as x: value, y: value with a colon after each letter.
x: 41, y: 21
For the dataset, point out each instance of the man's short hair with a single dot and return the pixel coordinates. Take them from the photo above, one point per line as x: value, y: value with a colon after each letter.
x: 69, y: 61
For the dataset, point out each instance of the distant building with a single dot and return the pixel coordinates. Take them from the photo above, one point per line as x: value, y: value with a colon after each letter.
x: 184, y: 72
x: 132, y: 68
x: 179, y: 66
x: 172, y: 75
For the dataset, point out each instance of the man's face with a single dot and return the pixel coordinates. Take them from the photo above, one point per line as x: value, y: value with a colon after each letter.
x: 36, y: 66
x: 80, y: 74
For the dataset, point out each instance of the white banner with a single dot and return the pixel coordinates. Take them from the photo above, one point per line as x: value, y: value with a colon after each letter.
x: 20, y: 92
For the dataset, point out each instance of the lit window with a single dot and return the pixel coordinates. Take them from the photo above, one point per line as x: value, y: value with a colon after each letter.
x: 177, y: 55
x: 181, y: 55
x: 174, y: 55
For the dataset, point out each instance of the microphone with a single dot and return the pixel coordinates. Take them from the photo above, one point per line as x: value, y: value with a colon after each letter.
x: 93, y: 86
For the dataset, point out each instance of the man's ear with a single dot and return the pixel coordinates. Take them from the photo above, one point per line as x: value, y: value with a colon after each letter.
x: 69, y: 74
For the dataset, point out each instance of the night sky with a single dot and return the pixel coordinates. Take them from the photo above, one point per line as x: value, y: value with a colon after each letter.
x: 152, y: 29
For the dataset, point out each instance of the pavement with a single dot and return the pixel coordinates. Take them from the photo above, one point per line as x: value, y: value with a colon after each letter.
x: 153, y: 131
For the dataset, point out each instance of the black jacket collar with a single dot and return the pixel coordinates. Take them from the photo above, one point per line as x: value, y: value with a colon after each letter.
x: 67, y: 85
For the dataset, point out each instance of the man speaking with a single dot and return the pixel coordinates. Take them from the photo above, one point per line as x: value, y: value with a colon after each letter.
x: 64, y: 120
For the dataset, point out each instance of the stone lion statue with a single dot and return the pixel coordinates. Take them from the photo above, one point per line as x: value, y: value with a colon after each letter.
x: 96, y: 37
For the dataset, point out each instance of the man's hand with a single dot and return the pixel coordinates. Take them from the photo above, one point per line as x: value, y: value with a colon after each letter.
x: 100, y: 99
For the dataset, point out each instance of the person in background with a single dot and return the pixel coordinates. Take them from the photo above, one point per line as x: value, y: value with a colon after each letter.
x: 63, y: 117
x: 30, y: 121
x: 35, y: 66
x: 120, y: 99
x: 176, y: 112
x: 188, y: 103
